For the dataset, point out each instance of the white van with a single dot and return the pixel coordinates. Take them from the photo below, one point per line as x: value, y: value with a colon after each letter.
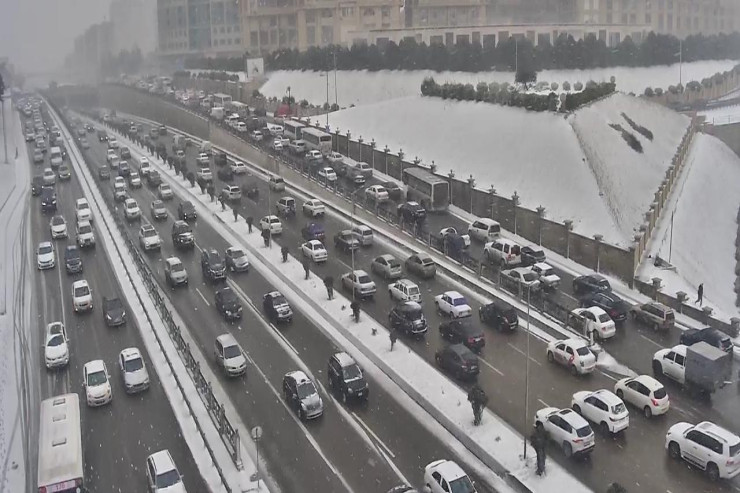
x: 56, y: 157
x: 217, y: 112
x: 364, y: 234
x: 206, y: 147
x: 232, y: 120
x: 484, y: 229
x: 178, y: 142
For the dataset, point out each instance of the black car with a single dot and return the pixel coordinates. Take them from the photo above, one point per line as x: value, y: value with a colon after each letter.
x: 225, y: 174
x: 182, y: 235
x: 346, y: 378
x: 500, y: 315
x: 463, y: 331
x: 72, y: 260
x: 219, y: 158
x: 124, y: 169
x: 102, y: 136
x: 104, y: 173
x: 532, y: 255
x: 408, y: 318
x: 612, y: 304
x: 395, y: 192
x: 458, y: 360
x: 590, y: 283
x: 313, y: 231
x: 213, y: 265
x: 48, y: 199
x: 710, y: 335
x: 113, y: 312
x: 153, y: 179
x: 37, y: 183
x: 125, y: 153
x: 346, y: 240
x: 277, y: 307
x: 186, y: 211
x: 228, y: 304
x: 162, y: 130
x: 411, y: 212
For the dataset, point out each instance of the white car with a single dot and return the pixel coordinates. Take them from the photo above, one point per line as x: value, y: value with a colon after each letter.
x: 359, y: 283
x: 134, y: 179
x: 645, y: 393
x: 131, y: 210
x: 45, y: 256
x: 133, y: 370
x: 238, y: 168
x: 203, y: 159
x: 706, y: 446
x: 96, y: 381
x: 546, y: 274
x: 231, y: 192
x: 453, y: 304
x: 230, y: 356
x: 277, y: 145
x: 314, y: 156
x: 596, y: 320
x: 85, y: 234
x: 110, y: 154
x: 144, y: 166
x: 83, y: 211
x: 327, y: 174
x: 404, y: 290
x: 566, y: 428
x: 523, y: 276
x: 58, y: 227
x: 573, y: 354
x: 315, y: 250
x: 149, y: 238
x: 387, y: 266
x: 241, y: 127
x: 81, y: 296
x: 445, y: 476
x: 119, y: 183
x: 56, y: 346
x: 49, y: 178
x: 256, y: 135
x: 165, y: 192
x: 112, y: 143
x: 334, y: 158
x: 162, y: 475
x: 377, y: 193
x: 313, y: 208
x: 603, y: 408
x: 271, y: 223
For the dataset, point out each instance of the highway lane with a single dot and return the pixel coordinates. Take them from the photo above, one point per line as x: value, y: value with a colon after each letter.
x: 116, y: 438
x: 394, y: 430
x: 502, y: 379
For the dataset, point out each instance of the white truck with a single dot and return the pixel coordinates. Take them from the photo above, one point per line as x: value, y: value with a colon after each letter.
x: 700, y: 368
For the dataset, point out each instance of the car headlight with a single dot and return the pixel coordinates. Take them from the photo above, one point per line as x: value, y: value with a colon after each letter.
x: 350, y: 390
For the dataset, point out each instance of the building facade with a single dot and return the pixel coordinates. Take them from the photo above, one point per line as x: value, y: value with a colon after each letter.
x: 134, y: 25
x: 207, y: 27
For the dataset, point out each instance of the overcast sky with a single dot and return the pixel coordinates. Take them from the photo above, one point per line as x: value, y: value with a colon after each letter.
x: 37, y: 34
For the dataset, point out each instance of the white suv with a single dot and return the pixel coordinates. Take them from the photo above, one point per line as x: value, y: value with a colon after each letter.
x: 644, y: 392
x: 81, y: 296
x: 602, y: 407
x: 162, y: 475
x: 443, y: 476
x: 707, y: 446
x: 82, y: 209
x: 404, y: 290
x: 566, y: 428
x: 96, y: 381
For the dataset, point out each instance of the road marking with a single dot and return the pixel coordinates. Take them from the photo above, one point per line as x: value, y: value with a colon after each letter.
x: 239, y: 327
x: 609, y: 377
x: 651, y: 341
x: 372, y: 434
x: 524, y: 354
x: 203, y: 297
x: 489, y: 365
x: 543, y: 403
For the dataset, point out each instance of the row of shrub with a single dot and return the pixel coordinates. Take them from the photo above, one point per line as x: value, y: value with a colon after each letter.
x: 212, y: 75
x: 695, y: 86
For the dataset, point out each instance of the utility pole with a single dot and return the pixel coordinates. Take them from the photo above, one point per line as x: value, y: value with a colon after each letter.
x: 2, y: 110
x: 336, y: 98
x: 680, y: 61
x: 526, y: 379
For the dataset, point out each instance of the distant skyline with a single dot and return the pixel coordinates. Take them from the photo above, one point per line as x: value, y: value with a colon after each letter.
x: 36, y: 35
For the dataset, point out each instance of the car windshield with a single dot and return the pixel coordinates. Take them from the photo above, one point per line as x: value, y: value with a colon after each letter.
x: 96, y: 378
x: 279, y: 300
x: 462, y: 485
x: 394, y: 264
x: 56, y: 340
x: 548, y: 272
x: 232, y: 352
x: 363, y: 279
x: 134, y: 364
x: 351, y: 372
x: 583, y: 351
x: 113, y: 304
x: 604, y: 318
x: 459, y: 301
x: 150, y: 232
x: 306, y: 389
x: 670, y: 316
x: 82, y: 291
x: 85, y: 228
x: 57, y: 220
x: 164, y: 188
x: 44, y: 249
x: 427, y: 262
x: 168, y: 479
x: 412, y: 290
x: 176, y: 267
x: 584, y: 431
x: 236, y: 253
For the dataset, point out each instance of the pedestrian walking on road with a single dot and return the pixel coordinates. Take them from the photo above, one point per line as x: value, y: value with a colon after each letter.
x: 306, y: 267
x: 699, y: 294
x: 250, y: 220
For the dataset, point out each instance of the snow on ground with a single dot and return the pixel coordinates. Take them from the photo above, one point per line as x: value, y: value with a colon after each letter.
x: 724, y: 115
x: 361, y: 87
x: 704, y: 228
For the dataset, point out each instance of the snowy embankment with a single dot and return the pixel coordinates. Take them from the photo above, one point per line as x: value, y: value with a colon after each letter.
x: 705, y: 208
x: 725, y: 115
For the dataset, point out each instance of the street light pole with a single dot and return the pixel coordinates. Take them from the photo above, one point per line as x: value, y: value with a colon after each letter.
x: 526, y: 380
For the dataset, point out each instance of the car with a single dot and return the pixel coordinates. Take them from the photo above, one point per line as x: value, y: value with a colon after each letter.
x: 444, y: 476
x: 277, y: 307
x: 182, y: 235
x: 236, y: 260
x: 124, y: 169
x: 134, y: 179
x: 56, y: 346
x: 113, y: 143
x: 133, y: 370
x: 377, y: 193
x: 408, y: 318
x: 450, y: 231
x: 357, y: 178
x: 395, y: 192
x: 58, y: 227
x: 149, y: 238
x: 225, y: 174
x: 334, y: 158
x: 144, y: 166
x: 82, y: 210
x: 85, y: 235
x: 110, y: 155
x: 159, y: 211
x: 45, y: 256
x: 655, y: 315
x: 532, y: 255
x: 165, y: 192
x: 314, y: 250
x: 297, y: 147
x: 706, y: 446
x: 203, y: 159
x: 484, y: 229
x: 313, y: 208
x: 458, y: 360
x: 500, y: 315
x: 452, y: 304
x: 125, y: 152
x: 30, y: 136
x: 609, y: 302
x: 219, y: 157
x: 645, y: 393
x: 153, y: 179
x: 230, y: 356
x: 521, y: 277
x: 162, y: 474
x: 231, y: 193
x: 186, y: 211
x: 64, y: 172
x: 238, y: 168
x: 503, y: 252
x: 36, y: 184
x: 359, y: 282
x: 301, y: 394
x: 174, y: 272
x: 285, y: 206
x: 228, y: 304
x: 277, y: 145
x: 84, y: 143
x: 603, y: 408
x: 203, y: 173
x: 38, y: 156
x: 96, y: 381
x: 593, y: 320
x: 104, y: 172
x: 119, y: 189
x: 463, y: 331
x: 256, y: 135
x: 212, y: 265
x: 387, y: 266
x: 568, y: 429
x: 549, y: 280
x: 404, y: 290
x: 313, y: 231
x: 590, y: 283
x: 271, y: 224
x: 114, y: 313
x: 131, y: 210
x: 573, y: 354
x: 49, y: 177
x: 72, y: 259
x: 346, y: 240
x: 314, y: 157
x: 710, y: 335
x: 347, y: 378
x: 327, y: 174
x: 422, y: 265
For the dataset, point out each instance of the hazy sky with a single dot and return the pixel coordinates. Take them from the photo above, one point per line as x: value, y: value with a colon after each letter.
x: 38, y: 34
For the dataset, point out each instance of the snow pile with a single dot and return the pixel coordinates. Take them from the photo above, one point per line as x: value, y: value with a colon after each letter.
x: 724, y: 115
x: 705, y: 205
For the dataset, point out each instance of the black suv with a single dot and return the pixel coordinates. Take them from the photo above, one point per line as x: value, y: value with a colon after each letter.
x: 153, y: 179
x: 277, y: 307
x: 228, y: 305
x: 395, y: 192
x: 182, y: 235
x: 213, y: 265
x: 459, y: 361
x: 609, y: 302
x: 412, y: 212
x: 48, y: 199
x: 532, y: 255
x: 113, y: 312
x: 219, y: 158
x: 590, y: 283
x: 408, y: 318
x: 72, y: 260
x: 463, y: 331
x: 125, y: 153
x: 186, y: 211
x: 104, y: 172
x: 710, y: 335
x: 225, y: 174
x: 124, y: 169
x: 499, y: 315
x: 346, y: 378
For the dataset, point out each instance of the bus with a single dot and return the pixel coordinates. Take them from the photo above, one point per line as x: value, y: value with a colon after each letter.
x: 292, y: 129
x: 430, y: 190
x: 317, y: 139
x: 61, y: 468
x: 222, y: 100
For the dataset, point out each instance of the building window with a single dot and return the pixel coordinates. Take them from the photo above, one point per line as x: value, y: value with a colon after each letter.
x: 263, y: 37
x: 291, y: 20
x: 273, y: 21
x: 648, y: 18
x: 385, y: 11
x: 273, y: 37
x: 633, y: 18
x: 368, y: 12
x: 348, y: 11
x: 311, y: 35
x: 669, y: 22
x: 292, y: 37
x: 437, y: 40
x: 326, y: 13
x: 660, y: 22
x: 624, y: 18
x: 310, y: 17
x: 327, y: 35
x: 609, y: 18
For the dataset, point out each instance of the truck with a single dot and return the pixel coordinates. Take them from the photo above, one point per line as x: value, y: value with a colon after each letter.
x: 700, y: 368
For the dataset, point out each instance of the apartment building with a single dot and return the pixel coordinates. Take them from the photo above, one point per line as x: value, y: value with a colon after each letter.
x: 207, y: 27
x: 134, y: 25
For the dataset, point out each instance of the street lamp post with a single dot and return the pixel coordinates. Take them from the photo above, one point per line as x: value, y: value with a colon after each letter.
x: 349, y: 136
x: 360, y: 141
x: 372, y: 147
x: 451, y: 176
x: 385, y: 151
x: 400, y: 160
x: 526, y: 380
x: 515, y: 203
x: 471, y: 183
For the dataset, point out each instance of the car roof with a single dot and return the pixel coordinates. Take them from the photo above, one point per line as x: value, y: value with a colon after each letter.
x: 314, y: 242
x: 408, y: 306
x: 449, y: 470
x: 648, y: 382
x: 359, y: 272
x: 79, y: 284
x: 298, y: 376
x: 575, y: 343
x: 147, y: 227
x: 130, y: 353
x: 344, y: 359
x: 130, y: 201
x: 233, y: 249
x: 607, y: 396
x: 487, y: 220
x: 718, y: 432
x: 227, y: 340
x: 162, y: 461
x: 506, y: 241
x: 598, y: 311
x: 95, y: 365
x: 542, y: 266
x: 84, y: 222
x: 45, y: 244
x: 453, y: 294
x: 173, y: 260
x: 81, y: 201
x: 273, y: 294
x: 387, y: 256
x: 406, y: 282
x: 573, y: 418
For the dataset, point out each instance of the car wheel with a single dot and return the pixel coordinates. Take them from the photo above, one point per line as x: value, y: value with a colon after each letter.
x: 438, y: 359
x: 567, y: 449
x: 550, y: 357
x: 344, y: 397
x: 674, y: 451
x: 712, y: 472
x: 605, y: 428
x: 657, y: 369
x: 301, y: 414
x: 573, y: 370
x: 620, y: 394
x: 647, y: 412
x: 577, y: 408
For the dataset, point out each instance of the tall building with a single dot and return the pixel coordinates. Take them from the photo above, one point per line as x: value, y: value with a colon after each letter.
x: 134, y: 25
x: 205, y: 27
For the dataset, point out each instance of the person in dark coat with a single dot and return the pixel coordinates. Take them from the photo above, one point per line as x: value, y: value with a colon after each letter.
x: 306, y: 267
x: 266, y: 237
x: 539, y: 441
x: 329, y: 284
x: 250, y: 220
x: 355, y: 307
x: 699, y: 294
x: 236, y: 214
x: 478, y: 400
x: 284, y: 252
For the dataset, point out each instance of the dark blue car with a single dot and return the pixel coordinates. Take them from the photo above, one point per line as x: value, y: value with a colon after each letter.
x: 313, y: 231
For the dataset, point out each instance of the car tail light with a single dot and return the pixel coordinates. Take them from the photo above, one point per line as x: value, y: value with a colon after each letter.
x: 613, y: 313
x: 655, y: 402
x: 577, y: 440
x: 471, y: 340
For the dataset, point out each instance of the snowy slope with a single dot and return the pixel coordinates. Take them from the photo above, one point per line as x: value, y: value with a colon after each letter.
x: 724, y: 115
x: 704, y: 228
x: 626, y: 179
x: 363, y: 87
